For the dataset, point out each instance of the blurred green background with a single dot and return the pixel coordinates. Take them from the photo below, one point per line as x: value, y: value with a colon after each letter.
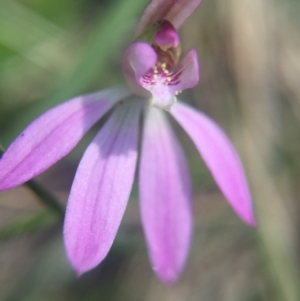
x: 249, y: 53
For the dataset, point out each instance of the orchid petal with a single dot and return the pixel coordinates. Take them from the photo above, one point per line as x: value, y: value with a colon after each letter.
x: 53, y: 135
x: 220, y: 157
x: 165, y: 195
x: 186, y: 75
x: 175, y: 11
x: 101, y: 189
x: 138, y: 60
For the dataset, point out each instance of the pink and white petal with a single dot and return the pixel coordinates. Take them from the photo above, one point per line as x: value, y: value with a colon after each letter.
x: 219, y: 156
x: 53, y: 135
x: 175, y: 11
x: 101, y: 189
x: 139, y: 58
x: 186, y: 75
x: 165, y: 196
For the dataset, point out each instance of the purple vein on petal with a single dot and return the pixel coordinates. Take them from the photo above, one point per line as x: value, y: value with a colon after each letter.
x: 184, y: 76
x: 219, y: 156
x: 165, y: 196
x: 101, y: 189
x: 139, y: 58
x: 53, y: 135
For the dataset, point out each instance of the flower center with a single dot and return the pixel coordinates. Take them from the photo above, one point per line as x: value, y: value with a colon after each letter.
x: 150, y: 64
x: 161, y: 75
x: 164, y: 39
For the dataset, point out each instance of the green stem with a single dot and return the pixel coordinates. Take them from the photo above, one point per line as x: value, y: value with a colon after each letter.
x: 27, y: 225
x: 46, y: 197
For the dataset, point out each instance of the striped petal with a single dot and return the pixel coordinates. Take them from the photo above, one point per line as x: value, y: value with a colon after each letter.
x: 165, y: 195
x: 101, y: 189
x: 175, y: 11
x: 53, y: 135
x: 139, y: 58
x: 219, y: 156
x: 166, y: 86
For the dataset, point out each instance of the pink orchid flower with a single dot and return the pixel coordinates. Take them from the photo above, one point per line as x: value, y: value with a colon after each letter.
x: 105, y: 175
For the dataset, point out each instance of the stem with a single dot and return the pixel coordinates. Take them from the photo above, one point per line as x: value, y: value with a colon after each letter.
x: 46, y: 197
x: 27, y: 225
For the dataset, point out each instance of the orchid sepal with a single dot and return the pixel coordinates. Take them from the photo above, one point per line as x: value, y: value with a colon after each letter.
x: 53, y: 135
x: 220, y: 157
x: 101, y: 189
